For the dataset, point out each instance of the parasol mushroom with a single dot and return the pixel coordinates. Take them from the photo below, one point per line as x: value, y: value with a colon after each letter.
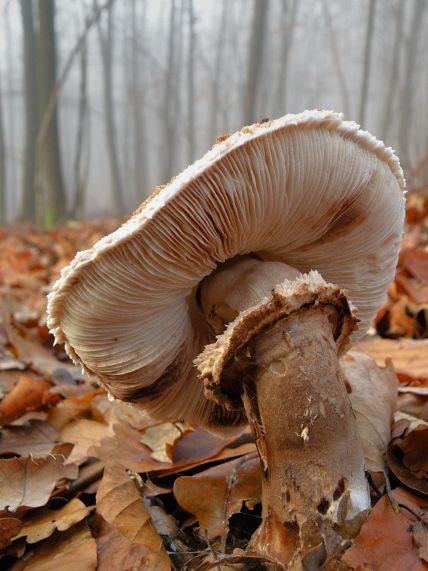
x: 233, y: 266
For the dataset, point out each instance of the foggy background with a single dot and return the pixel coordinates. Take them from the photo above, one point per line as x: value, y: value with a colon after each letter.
x: 141, y: 88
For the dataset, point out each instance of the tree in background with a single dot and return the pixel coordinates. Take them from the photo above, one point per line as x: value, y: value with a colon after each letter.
x: 367, y: 63
x: 48, y: 149
x: 82, y: 128
x: 28, y: 200
x: 2, y: 165
x: 255, y: 60
x: 407, y: 93
x: 106, y: 40
x: 288, y: 24
x: 394, y: 69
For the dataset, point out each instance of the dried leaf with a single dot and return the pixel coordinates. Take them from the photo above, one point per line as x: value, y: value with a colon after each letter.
x: 385, y: 542
x: 126, y: 448
x: 119, y: 412
x: 161, y: 439
x: 115, y: 551
x: 36, y: 438
x: 28, y: 482
x: 39, y: 359
x: 9, y: 527
x: 84, y: 434
x: 420, y: 535
x: 408, y: 451
x: 120, y: 502
x: 45, y: 522
x: 74, y: 549
x: 28, y: 394
x: 374, y: 400
x: 71, y: 409
x: 407, y: 355
x: 193, y: 449
x: 213, y: 495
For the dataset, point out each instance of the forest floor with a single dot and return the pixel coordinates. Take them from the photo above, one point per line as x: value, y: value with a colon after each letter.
x: 86, y: 483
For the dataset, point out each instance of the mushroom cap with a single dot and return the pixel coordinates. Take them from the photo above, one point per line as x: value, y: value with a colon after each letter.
x: 310, y: 190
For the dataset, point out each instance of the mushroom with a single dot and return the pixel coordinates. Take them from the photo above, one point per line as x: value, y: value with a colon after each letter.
x: 244, y: 272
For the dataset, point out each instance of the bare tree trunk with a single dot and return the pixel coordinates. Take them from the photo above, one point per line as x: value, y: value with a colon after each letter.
x: 106, y: 47
x: 79, y: 185
x: 406, y: 106
x: 191, y: 84
x: 335, y: 54
x: 392, y: 87
x: 255, y: 60
x: 168, y: 114
x: 288, y: 25
x: 367, y: 63
x: 28, y: 200
x: 141, y: 175
x: 2, y: 165
x: 9, y: 112
x: 50, y: 156
x: 215, y: 90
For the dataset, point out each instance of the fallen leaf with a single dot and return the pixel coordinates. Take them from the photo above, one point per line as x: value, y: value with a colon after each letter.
x: 408, y: 355
x: 161, y: 439
x: 84, y: 434
x: 42, y: 524
x: 120, y: 502
x: 36, y: 437
x: 28, y: 482
x: 408, y: 451
x: 374, y: 400
x: 385, y: 542
x: 9, y: 527
x: 70, y: 409
x: 37, y: 358
x: 28, y: 394
x: 119, y: 412
x: 213, y: 495
x: 126, y: 448
x: 68, y: 551
x: 115, y: 551
x: 420, y: 536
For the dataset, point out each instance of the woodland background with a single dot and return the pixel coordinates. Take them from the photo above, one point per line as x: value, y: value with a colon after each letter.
x: 102, y: 101
x: 99, y: 102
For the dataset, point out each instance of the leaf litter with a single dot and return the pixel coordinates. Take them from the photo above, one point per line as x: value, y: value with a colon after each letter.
x: 91, y: 484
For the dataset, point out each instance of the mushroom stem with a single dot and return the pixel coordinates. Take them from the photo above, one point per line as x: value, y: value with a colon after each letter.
x: 312, y: 461
x: 278, y: 359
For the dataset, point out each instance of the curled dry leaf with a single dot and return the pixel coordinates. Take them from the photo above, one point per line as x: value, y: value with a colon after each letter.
x: 408, y: 451
x: 28, y: 394
x: 74, y: 549
x: 71, y: 409
x: 161, y: 439
x: 9, y: 527
x: 385, y: 542
x: 374, y: 398
x: 413, y: 403
x: 115, y: 551
x: 420, y: 536
x: 38, y: 358
x: 28, y: 482
x: 214, y: 495
x: 193, y: 448
x: 84, y: 434
x: 115, y: 412
x: 126, y: 448
x: 121, y: 503
x: 45, y: 522
x: 35, y: 437
x: 407, y: 355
